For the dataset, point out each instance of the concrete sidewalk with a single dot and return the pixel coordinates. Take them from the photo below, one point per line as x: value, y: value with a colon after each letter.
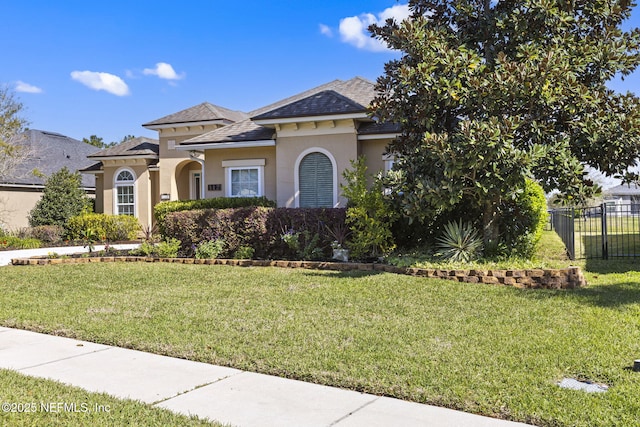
x: 217, y: 393
x: 7, y: 256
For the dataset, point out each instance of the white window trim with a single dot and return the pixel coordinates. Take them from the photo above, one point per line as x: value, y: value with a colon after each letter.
x: 233, y: 165
x: 117, y: 184
x: 296, y: 174
x: 192, y: 187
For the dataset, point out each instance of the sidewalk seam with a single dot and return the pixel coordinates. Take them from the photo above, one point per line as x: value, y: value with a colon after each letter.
x: 65, y: 358
x: 196, y: 388
x: 358, y: 409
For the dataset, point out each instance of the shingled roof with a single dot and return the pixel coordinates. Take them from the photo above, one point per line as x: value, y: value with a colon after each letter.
x: 51, y: 152
x: 320, y: 104
x: 140, y: 146
x: 335, y: 97
x: 199, y: 113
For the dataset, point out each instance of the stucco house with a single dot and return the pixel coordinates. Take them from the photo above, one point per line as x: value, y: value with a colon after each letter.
x: 48, y: 152
x: 293, y: 151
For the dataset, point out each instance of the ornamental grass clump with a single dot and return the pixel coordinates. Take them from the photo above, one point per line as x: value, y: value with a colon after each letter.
x: 460, y: 242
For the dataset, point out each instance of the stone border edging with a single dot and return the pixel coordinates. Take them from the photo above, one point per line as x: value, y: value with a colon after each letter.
x: 566, y: 278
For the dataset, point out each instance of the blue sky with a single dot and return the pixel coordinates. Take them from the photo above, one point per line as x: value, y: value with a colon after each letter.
x: 86, y: 68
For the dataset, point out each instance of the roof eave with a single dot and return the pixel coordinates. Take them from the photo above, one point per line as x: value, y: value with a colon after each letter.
x: 187, y: 124
x: 227, y: 144
x: 301, y: 119
x: 126, y: 156
x: 378, y: 136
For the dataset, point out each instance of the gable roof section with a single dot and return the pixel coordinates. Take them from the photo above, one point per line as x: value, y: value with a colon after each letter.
x: 358, y: 90
x: 623, y: 190
x: 326, y: 102
x: 335, y: 97
x: 139, y: 147
x: 243, y: 131
x: 51, y: 152
x: 204, y: 112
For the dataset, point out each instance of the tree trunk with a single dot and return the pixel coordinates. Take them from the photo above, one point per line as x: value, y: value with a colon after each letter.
x: 490, y: 228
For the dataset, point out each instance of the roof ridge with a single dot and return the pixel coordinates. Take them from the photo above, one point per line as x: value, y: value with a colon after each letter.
x: 294, y: 98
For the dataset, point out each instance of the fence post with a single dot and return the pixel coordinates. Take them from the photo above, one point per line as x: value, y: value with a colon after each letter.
x: 605, y: 239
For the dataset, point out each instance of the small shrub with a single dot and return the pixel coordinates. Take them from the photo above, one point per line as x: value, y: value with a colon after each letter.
x: 13, y: 242
x: 460, y: 242
x: 110, y: 227
x: 244, y: 252
x: 48, y: 233
x: 210, y: 249
x: 168, y: 248
x: 145, y: 249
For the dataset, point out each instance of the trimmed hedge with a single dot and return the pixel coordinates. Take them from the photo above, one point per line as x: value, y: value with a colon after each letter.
x: 110, y: 227
x: 161, y: 210
x: 258, y: 227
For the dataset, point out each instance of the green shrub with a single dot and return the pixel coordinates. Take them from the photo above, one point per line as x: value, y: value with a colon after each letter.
x: 62, y: 198
x: 369, y: 215
x: 107, y: 227
x: 13, y: 242
x: 210, y: 249
x: 145, y: 249
x: 161, y: 210
x: 523, y: 220
x: 168, y: 248
x: 244, y: 252
x: 260, y: 228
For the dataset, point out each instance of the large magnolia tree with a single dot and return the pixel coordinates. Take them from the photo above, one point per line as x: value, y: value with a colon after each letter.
x: 489, y: 93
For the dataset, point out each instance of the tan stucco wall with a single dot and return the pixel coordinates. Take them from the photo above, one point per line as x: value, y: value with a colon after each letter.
x: 342, y: 146
x: 373, y: 150
x: 170, y: 159
x: 214, y: 172
x: 143, y: 188
x: 15, y: 206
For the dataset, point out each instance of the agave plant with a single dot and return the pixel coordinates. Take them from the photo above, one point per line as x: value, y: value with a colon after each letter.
x: 459, y: 242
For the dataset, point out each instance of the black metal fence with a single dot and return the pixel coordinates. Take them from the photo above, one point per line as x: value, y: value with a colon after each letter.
x: 606, y: 231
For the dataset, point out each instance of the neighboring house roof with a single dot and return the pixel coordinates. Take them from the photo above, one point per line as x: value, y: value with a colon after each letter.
x: 51, y: 152
x: 200, y: 113
x: 140, y: 146
x: 623, y: 190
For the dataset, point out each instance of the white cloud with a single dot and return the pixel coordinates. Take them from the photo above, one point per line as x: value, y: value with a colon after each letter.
x: 163, y: 71
x: 353, y: 29
x: 101, y: 81
x: 26, y: 87
x: 325, y: 30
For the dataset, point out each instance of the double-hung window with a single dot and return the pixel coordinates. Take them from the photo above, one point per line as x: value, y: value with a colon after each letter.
x: 125, y: 193
x: 244, y: 178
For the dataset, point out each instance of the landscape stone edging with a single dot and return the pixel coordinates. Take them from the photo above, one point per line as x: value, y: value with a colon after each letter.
x: 566, y: 278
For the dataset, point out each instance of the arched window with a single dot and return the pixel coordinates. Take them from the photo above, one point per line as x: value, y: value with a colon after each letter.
x: 316, y: 183
x: 125, y: 193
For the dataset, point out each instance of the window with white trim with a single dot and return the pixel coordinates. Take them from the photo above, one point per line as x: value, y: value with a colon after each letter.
x: 125, y: 193
x: 244, y: 178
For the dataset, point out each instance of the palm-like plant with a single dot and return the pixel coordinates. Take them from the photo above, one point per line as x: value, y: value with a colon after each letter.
x: 459, y: 242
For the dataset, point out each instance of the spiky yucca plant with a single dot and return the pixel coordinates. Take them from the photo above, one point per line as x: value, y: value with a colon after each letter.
x: 459, y: 242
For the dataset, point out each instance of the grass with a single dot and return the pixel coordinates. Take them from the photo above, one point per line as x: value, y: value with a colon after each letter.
x: 39, y: 402
x: 492, y: 350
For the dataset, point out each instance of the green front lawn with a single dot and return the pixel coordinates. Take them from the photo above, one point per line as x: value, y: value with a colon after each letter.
x: 492, y: 350
x: 27, y: 401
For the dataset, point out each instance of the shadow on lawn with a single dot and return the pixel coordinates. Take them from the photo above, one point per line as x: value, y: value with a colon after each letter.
x: 346, y: 274
x: 615, y: 265
x: 613, y: 296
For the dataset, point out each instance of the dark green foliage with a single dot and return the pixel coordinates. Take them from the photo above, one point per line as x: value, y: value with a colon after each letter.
x: 62, y: 199
x: 161, y: 210
x: 260, y: 228
x: 489, y: 94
